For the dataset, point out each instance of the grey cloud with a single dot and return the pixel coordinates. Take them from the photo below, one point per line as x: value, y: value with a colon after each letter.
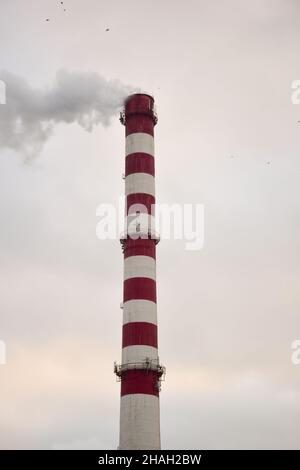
x: 228, y: 313
x: 30, y: 114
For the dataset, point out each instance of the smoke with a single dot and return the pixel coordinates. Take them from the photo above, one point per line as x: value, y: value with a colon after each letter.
x: 30, y: 115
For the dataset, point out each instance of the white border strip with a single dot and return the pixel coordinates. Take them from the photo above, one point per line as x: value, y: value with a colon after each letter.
x: 139, y: 310
x: 139, y: 142
x: 139, y: 353
x: 139, y: 422
x: 140, y: 183
x: 139, y: 266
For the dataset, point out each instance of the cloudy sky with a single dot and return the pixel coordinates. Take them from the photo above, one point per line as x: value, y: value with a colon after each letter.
x: 221, y: 73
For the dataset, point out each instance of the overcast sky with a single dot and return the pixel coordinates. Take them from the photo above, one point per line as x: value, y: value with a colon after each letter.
x: 221, y: 73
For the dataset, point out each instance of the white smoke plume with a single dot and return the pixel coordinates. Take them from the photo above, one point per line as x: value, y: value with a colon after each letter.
x: 29, y: 116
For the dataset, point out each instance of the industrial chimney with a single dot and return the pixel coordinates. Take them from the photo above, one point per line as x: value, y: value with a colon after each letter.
x: 140, y: 372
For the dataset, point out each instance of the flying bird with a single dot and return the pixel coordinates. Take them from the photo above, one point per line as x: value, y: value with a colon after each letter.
x: 107, y: 29
x: 62, y: 5
x: 47, y: 19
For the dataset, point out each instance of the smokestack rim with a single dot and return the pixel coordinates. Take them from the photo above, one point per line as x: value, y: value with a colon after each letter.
x: 139, y: 104
x: 129, y: 97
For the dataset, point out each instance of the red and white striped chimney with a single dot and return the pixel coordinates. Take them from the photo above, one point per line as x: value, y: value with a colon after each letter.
x: 140, y: 372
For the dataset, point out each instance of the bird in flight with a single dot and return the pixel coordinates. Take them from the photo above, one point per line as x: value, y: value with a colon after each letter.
x: 107, y: 29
